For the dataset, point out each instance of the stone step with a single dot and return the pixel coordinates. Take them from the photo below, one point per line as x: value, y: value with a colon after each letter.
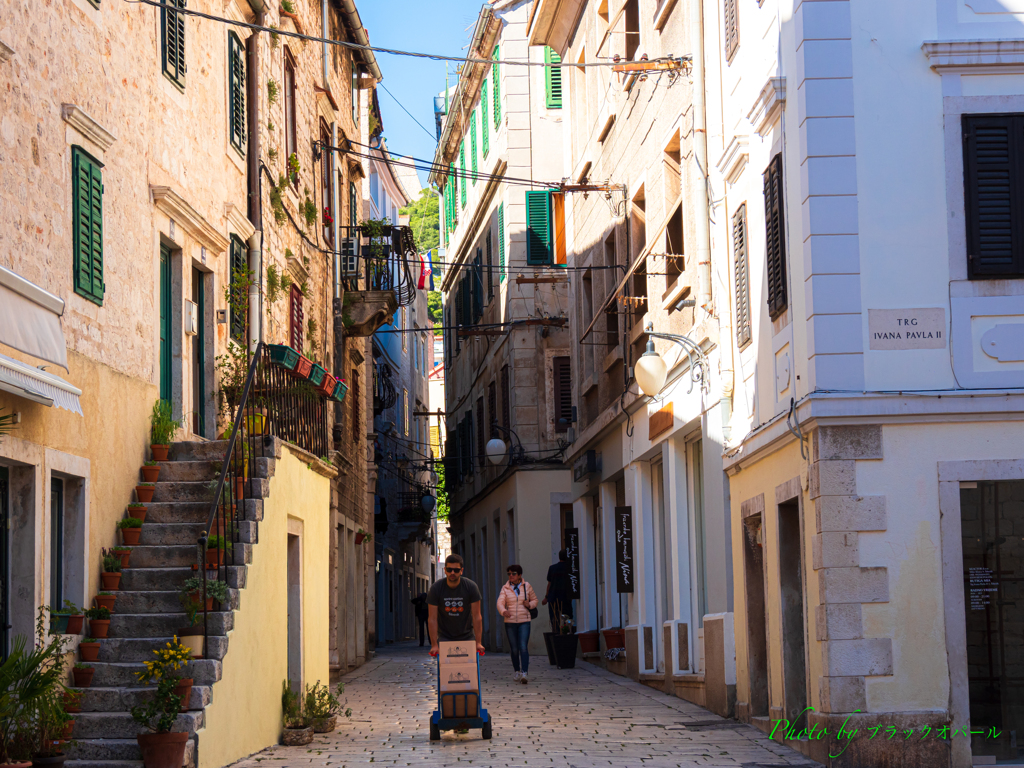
x: 125, y: 675
x: 141, y: 648
x: 112, y: 753
x: 252, y: 488
x: 191, y: 471
x: 163, y: 602
x: 154, y: 534
x: 120, y: 725
x: 209, y: 450
x: 163, y: 556
x: 123, y: 699
x: 143, y: 579
x: 137, y: 625
x: 177, y: 512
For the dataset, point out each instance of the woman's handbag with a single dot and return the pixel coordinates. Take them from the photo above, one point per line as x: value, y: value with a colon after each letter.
x: 533, y: 611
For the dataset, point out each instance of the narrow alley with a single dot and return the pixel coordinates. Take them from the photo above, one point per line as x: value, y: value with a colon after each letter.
x: 573, y: 718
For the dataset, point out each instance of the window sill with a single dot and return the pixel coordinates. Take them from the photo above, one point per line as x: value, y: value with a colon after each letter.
x: 613, y: 357
x: 179, y: 86
x: 672, y: 296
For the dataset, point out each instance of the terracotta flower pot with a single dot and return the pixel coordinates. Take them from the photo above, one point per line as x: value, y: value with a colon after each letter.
x: 99, y: 628
x: 124, y: 558
x: 89, y: 651
x: 138, y: 512
x: 590, y: 642
x: 239, y: 488
x: 614, y: 638
x: 75, y: 624
x: 24, y: 764
x: 183, y: 688
x: 159, y: 452
x: 213, y: 558
x: 72, y: 704
x: 110, y: 581
x: 145, y: 493
x: 131, y: 536
x: 150, y: 473
x: 193, y: 639
x: 83, y: 677
x: 162, y: 750
x: 297, y: 737
x: 325, y: 724
x: 57, y: 759
x: 69, y: 731
x: 105, y: 601
x: 360, y: 537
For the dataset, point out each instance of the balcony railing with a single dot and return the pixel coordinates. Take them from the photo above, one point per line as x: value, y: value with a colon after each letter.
x: 383, y: 255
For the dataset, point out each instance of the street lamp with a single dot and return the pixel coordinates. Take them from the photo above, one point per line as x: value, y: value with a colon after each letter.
x: 496, y: 450
x: 651, y: 370
x: 427, y: 503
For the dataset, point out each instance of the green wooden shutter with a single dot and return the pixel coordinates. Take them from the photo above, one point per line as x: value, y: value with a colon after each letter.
x: 496, y: 96
x: 172, y: 26
x: 165, y: 322
x: 478, y: 286
x: 87, y: 214
x: 552, y: 79
x: 462, y: 167
x: 472, y: 143
x: 236, y: 91
x: 239, y: 267
x: 485, y: 129
x: 501, y: 242
x: 538, y: 227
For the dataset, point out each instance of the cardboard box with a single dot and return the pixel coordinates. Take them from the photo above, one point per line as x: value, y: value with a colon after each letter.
x: 459, y: 677
x: 458, y: 652
x: 459, y: 705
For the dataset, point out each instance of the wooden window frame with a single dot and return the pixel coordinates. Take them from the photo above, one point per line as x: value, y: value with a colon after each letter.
x: 731, y: 27
x: 236, y: 94
x: 501, y: 243
x: 87, y: 202
x: 291, y: 140
x: 238, y: 259
x: 775, y: 237
x: 561, y: 389
x: 539, y: 245
x: 175, y: 69
x: 741, y: 274
x: 485, y: 129
x: 296, y: 320
x: 552, y: 79
x: 326, y: 180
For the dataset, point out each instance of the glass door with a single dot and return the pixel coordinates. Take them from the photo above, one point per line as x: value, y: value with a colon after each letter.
x: 5, y: 563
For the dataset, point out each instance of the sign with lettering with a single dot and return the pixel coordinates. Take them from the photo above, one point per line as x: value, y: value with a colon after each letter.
x: 981, y: 588
x: 572, y: 550
x: 624, y: 549
x: 907, y: 328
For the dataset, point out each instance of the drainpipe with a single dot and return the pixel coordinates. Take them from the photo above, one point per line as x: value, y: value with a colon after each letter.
x: 252, y: 52
x: 330, y: 157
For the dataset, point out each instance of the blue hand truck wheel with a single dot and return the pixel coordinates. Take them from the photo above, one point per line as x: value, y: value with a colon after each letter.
x: 435, y: 732
x: 486, y: 730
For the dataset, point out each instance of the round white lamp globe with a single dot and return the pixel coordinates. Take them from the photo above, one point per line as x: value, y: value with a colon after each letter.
x: 650, y: 371
x: 495, y: 450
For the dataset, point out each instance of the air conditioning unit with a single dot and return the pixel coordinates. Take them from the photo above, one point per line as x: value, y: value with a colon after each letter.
x: 350, y: 257
x: 191, y: 318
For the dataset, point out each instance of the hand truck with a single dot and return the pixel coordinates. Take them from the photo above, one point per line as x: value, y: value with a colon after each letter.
x: 458, y: 710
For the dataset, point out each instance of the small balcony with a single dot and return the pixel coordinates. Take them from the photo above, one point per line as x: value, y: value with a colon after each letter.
x: 379, y: 269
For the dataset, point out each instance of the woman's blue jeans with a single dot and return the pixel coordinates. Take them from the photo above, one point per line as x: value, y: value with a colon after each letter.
x: 518, y: 640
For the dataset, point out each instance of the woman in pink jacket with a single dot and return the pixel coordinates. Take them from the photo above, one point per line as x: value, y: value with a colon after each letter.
x: 515, y: 602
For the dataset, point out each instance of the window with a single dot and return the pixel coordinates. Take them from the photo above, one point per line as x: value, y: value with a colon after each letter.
x: 56, y: 542
x: 236, y: 92
x: 538, y: 228
x: 732, y: 28
x: 172, y: 33
x: 485, y: 129
x: 742, y: 273
x: 480, y: 433
x: 326, y: 181
x: 631, y: 11
x: 478, y: 286
x: 353, y: 207
x: 462, y: 168
x: 506, y: 399
x: 402, y: 326
x: 993, y: 191
x: 239, y: 274
x: 775, y: 237
x: 492, y: 407
x: 489, y: 251
x: 296, y: 319
x: 472, y: 144
x: 357, y: 426
x: 552, y: 79
x: 87, y: 218
x: 405, y: 412
x: 562, y: 380
x: 496, y: 94
x: 290, y: 141
x: 501, y: 242
x: 355, y: 92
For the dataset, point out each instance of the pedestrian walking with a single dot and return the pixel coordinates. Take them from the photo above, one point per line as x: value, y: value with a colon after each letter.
x: 453, y: 605
x: 517, y: 603
x: 422, y: 613
x: 558, y: 596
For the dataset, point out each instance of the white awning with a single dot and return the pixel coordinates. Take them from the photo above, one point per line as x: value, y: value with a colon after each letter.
x: 39, y: 386
x: 30, y: 319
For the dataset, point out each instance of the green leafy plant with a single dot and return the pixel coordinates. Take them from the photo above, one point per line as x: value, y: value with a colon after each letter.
x: 291, y: 707
x: 98, y: 613
x: 121, y: 550
x: 309, y: 212
x: 272, y: 91
x: 129, y: 522
x: 293, y: 167
x: 162, y: 425
x: 320, y: 702
x: 147, y: 485
x: 275, y: 39
x: 27, y: 680
x: 270, y: 126
x: 304, y: 289
x: 218, y: 542
x: 161, y: 710
x: 273, y: 283
x: 277, y: 200
x: 288, y: 6
x: 151, y: 463
x: 68, y: 609
x: 366, y: 536
x: 8, y: 422
x: 90, y: 640
x: 272, y: 155
x: 216, y: 589
x: 80, y: 665
x: 111, y: 560
x: 288, y: 253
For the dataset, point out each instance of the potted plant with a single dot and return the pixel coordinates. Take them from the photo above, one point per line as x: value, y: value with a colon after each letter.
x: 89, y: 649
x: 124, y: 553
x: 215, y: 546
x: 161, y: 748
x: 110, y: 575
x: 590, y: 642
x: 99, y: 622
x: 614, y: 637
x: 106, y: 600
x: 256, y: 420
x: 131, y: 529
x: 137, y: 510
x: 192, y: 635
x: 51, y: 724
x: 76, y: 618
x: 321, y: 708
x: 564, y: 641
x: 362, y: 535
x: 27, y: 676
x: 192, y: 590
x: 162, y: 427
x: 73, y: 700
x: 297, y: 730
x: 150, y: 471
x: 82, y: 674
x: 59, y: 619
x: 145, y: 492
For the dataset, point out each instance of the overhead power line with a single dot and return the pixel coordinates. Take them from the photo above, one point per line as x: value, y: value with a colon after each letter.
x: 410, y: 114
x: 378, y: 49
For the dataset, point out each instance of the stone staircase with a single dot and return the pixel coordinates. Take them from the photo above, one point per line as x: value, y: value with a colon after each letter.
x: 148, y: 613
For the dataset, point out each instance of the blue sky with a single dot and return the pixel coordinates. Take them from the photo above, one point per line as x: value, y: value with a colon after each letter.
x: 429, y: 26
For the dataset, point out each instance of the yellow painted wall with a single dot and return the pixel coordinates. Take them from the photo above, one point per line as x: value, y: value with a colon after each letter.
x: 245, y: 714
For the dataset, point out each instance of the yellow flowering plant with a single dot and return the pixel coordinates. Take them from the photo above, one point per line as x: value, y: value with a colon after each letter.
x: 159, y: 713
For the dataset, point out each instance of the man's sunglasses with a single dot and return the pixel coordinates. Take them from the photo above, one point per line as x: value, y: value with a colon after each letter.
x: 453, y: 570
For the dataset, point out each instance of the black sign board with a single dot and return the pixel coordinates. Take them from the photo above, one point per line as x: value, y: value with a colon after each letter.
x: 624, y: 549
x: 572, y: 549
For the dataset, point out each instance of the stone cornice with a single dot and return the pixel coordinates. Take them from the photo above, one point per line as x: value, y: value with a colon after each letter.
x: 175, y: 206
x: 768, y: 105
x: 975, y: 56
x: 733, y: 158
x: 77, y: 118
x: 238, y: 222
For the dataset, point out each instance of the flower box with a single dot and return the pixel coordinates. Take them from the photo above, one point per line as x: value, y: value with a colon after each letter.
x: 302, y: 367
x: 326, y: 387
x: 284, y: 356
x: 340, y: 390
x: 316, y: 374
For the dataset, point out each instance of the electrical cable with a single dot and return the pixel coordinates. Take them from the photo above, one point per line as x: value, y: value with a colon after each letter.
x: 379, y: 49
x: 410, y: 114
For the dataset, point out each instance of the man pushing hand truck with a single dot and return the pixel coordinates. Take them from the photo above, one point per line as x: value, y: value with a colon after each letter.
x: 456, y: 629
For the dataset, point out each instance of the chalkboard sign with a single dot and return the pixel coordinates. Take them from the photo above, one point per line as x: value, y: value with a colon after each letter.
x: 624, y: 549
x: 572, y: 549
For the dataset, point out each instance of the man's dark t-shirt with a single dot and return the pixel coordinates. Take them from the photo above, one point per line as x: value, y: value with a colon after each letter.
x: 558, y: 575
x: 454, y: 616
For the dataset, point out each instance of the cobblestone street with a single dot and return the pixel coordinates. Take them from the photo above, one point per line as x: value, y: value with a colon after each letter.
x: 577, y: 718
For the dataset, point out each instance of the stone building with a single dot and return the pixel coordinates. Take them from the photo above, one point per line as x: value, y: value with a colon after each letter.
x: 143, y: 173
x: 507, y: 351
x: 647, y: 470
